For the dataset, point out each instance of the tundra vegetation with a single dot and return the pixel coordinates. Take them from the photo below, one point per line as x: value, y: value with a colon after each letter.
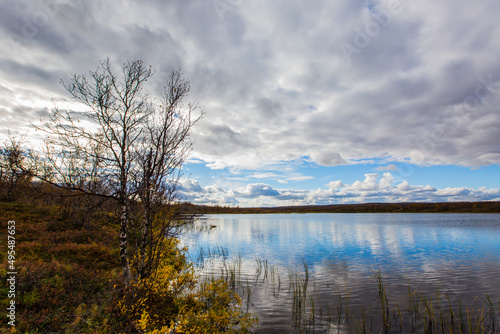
x: 97, y: 214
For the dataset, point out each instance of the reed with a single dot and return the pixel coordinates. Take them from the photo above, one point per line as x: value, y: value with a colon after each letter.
x: 415, y: 312
x: 384, y: 304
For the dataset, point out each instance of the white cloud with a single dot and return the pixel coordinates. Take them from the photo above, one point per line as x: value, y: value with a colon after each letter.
x: 453, y: 191
x: 403, y: 186
x: 386, y: 181
x: 335, y: 184
x: 192, y: 186
x: 300, y: 178
x: 374, y: 188
x: 369, y: 183
x: 263, y: 175
x: 256, y: 190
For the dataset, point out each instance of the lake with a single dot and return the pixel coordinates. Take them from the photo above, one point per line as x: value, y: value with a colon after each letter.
x: 293, y: 270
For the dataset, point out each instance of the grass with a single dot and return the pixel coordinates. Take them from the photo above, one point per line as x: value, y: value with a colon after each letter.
x: 310, y: 312
x: 69, y: 281
x: 63, y: 273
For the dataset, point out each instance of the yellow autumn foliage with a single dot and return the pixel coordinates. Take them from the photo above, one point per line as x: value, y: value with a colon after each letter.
x: 173, y: 301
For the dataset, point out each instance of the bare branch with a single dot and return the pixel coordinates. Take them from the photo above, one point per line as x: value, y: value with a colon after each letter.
x: 125, y: 146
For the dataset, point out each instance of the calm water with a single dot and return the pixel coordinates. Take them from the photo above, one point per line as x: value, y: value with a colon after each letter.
x: 454, y: 254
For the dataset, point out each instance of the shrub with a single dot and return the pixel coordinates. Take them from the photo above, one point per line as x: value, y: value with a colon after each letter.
x: 172, y: 301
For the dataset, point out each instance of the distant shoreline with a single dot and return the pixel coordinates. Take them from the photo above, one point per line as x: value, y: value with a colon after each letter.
x: 406, y: 207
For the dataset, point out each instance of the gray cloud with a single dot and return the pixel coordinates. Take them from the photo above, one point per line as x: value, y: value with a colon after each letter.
x: 390, y: 167
x: 273, y: 76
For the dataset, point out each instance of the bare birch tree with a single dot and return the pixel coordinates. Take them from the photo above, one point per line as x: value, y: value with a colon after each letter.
x: 163, y: 150
x: 125, y: 146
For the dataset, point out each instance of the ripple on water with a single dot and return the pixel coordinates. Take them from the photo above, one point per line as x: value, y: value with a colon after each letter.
x: 454, y: 255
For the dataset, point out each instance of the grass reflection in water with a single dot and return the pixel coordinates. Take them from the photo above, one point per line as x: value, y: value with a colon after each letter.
x: 308, y: 309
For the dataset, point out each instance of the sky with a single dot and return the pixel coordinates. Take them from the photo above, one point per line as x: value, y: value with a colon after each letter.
x: 307, y: 102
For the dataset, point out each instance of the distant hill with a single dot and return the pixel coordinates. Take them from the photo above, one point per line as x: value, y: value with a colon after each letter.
x: 440, y: 207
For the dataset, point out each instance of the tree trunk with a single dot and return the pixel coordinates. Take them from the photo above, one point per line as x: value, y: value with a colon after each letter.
x: 124, y: 210
x: 123, y: 243
x: 146, y: 227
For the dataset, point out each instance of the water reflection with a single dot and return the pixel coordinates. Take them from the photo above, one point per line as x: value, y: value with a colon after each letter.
x: 458, y: 254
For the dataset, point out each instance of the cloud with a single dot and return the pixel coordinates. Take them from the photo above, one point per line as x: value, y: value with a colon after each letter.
x: 381, y: 189
x: 264, y: 175
x: 192, y: 186
x: 386, y: 181
x: 257, y: 190
x: 404, y: 96
x: 278, y: 176
x: 369, y: 183
x: 335, y: 184
x: 423, y: 87
x: 300, y: 178
x: 192, y: 191
x: 374, y: 188
x: 327, y: 158
x: 390, y: 167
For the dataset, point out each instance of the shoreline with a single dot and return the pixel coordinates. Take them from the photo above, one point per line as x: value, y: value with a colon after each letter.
x: 404, y: 207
